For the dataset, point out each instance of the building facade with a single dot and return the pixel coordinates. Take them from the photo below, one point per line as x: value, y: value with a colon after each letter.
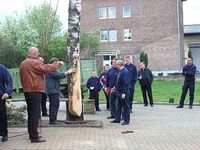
x: 129, y: 27
x: 192, y: 42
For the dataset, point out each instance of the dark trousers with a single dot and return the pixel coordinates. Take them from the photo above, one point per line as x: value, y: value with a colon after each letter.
x: 107, y: 100
x: 185, y: 87
x: 33, y: 101
x: 95, y: 95
x: 113, y: 103
x: 131, y: 96
x: 54, y: 104
x: 43, y: 103
x: 123, y: 109
x: 3, y: 118
x: 147, y: 89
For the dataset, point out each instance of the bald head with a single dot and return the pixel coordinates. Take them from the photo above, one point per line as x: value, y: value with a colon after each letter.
x: 33, y: 52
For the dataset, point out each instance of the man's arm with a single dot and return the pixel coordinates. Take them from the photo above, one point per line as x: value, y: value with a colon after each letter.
x: 58, y: 75
x: 135, y: 76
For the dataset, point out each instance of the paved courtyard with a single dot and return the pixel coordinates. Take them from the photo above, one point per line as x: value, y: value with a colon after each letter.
x: 162, y: 127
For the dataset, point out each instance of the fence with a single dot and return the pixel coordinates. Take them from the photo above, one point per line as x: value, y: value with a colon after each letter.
x: 87, y: 66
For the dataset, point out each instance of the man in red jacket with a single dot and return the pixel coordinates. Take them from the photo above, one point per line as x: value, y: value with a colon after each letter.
x: 32, y: 78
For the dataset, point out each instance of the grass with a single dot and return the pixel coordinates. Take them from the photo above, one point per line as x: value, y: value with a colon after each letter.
x: 162, y: 92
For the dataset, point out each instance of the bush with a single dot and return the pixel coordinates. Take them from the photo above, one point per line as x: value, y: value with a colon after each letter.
x: 15, y: 115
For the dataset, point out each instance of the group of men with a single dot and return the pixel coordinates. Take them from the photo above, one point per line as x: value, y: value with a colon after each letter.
x: 119, y: 82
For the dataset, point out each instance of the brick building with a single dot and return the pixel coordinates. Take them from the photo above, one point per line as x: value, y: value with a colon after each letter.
x: 129, y: 27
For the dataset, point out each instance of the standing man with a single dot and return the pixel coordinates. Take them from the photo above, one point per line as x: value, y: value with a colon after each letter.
x: 145, y: 77
x: 133, y: 79
x: 6, y: 87
x: 32, y: 78
x: 111, y: 83
x: 102, y: 79
x: 93, y: 85
x: 189, y: 71
x: 53, y: 91
x: 122, y: 92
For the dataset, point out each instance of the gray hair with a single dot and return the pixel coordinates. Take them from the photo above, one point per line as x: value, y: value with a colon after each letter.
x: 120, y: 62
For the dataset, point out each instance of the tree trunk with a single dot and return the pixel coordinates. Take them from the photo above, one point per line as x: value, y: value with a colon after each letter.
x: 75, y: 111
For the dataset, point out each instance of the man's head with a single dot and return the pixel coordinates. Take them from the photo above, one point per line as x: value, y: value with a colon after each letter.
x: 119, y: 64
x: 114, y: 62
x: 93, y: 74
x: 127, y: 60
x: 142, y: 65
x: 189, y: 61
x: 53, y: 60
x: 106, y: 67
x: 33, y: 52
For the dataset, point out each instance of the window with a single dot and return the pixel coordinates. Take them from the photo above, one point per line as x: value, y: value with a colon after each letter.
x: 104, y: 36
x: 102, y: 12
x: 127, y: 34
x: 112, y: 12
x: 127, y: 11
x: 112, y: 35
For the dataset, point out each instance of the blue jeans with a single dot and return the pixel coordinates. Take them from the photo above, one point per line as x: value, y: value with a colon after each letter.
x: 54, y: 104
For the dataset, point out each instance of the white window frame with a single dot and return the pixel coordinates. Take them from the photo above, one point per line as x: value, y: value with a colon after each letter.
x: 106, y: 36
x: 112, y: 40
x: 126, y: 16
x: 106, y: 14
x: 130, y: 34
x: 109, y: 12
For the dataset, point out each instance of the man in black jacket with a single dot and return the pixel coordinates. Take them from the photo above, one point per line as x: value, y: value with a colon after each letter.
x: 145, y: 77
x: 189, y: 71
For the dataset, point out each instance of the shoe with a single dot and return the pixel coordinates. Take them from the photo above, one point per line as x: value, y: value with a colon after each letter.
x: 145, y: 105
x: 110, y: 117
x: 115, y: 121
x: 4, y: 139
x: 37, y: 140
x: 45, y: 115
x: 152, y: 105
x: 39, y: 136
x: 179, y: 106
x: 124, y: 123
x: 98, y: 110
x: 54, y: 122
x: 190, y: 106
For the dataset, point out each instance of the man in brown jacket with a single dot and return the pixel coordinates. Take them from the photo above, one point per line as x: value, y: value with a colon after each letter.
x: 32, y: 78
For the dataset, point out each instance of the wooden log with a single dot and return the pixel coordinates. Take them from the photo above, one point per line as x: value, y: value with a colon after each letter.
x: 74, y: 81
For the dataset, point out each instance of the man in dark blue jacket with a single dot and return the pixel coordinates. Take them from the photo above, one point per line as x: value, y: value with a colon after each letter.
x: 53, y: 91
x: 122, y: 92
x: 133, y: 79
x: 189, y: 71
x: 6, y: 87
x: 93, y: 85
x: 111, y: 83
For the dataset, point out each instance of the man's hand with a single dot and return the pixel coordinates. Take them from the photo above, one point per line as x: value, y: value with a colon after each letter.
x: 123, y: 96
x: 113, y: 90
x: 71, y: 70
x: 5, y: 96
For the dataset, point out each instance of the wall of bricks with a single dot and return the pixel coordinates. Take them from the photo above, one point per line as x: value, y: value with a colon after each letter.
x: 155, y: 26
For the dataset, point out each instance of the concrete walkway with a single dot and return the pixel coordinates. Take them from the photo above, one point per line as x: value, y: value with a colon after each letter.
x: 162, y: 127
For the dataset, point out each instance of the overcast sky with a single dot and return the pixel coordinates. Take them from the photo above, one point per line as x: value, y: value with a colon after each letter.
x: 8, y: 7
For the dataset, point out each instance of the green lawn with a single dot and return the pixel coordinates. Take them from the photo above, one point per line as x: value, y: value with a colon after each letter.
x: 162, y: 92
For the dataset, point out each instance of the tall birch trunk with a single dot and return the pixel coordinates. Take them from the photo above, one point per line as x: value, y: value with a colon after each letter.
x: 74, y: 83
